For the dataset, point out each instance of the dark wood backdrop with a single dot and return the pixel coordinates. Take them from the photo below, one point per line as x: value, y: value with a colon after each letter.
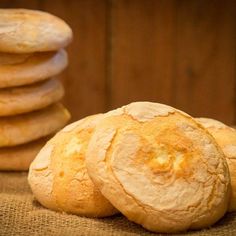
x: 178, y: 52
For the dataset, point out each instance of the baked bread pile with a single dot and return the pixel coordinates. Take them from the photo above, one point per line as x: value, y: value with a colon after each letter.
x: 225, y: 136
x: 31, y: 54
x: 155, y: 164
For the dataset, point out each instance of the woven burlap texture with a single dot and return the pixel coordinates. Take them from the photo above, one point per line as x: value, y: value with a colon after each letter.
x: 21, y: 214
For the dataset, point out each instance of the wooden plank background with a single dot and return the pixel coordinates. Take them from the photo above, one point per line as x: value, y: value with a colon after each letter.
x: 178, y: 52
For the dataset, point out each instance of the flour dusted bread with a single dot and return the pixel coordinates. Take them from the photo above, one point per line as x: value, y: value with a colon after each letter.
x: 23, y: 31
x: 28, y: 98
x: 225, y: 136
x: 22, y: 69
x: 18, y: 158
x: 27, y: 127
x: 58, y: 175
x: 159, y: 167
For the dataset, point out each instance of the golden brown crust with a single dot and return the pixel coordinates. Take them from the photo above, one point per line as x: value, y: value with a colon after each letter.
x: 19, y: 158
x: 59, y: 170
x: 17, y: 70
x: 225, y: 136
x: 26, y: 31
x: 168, y: 171
x: 27, y: 127
x: 29, y: 98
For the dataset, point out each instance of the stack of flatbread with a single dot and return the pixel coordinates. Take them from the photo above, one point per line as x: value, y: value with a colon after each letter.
x: 31, y: 55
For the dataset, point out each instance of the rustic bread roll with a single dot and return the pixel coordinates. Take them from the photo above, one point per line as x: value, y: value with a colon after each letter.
x: 28, y: 98
x: 26, y: 31
x: 58, y: 175
x: 225, y: 136
x: 22, y: 69
x: 159, y: 167
x: 27, y: 127
x: 18, y: 158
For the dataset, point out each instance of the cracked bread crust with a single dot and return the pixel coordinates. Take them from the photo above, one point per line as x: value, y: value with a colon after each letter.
x: 31, y: 126
x: 29, y: 98
x: 26, y: 31
x: 59, y: 170
x: 159, y: 167
x: 225, y: 136
x: 23, y: 69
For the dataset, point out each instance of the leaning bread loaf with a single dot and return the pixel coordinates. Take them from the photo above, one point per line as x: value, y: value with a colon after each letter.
x: 58, y: 176
x: 225, y: 136
x: 159, y: 167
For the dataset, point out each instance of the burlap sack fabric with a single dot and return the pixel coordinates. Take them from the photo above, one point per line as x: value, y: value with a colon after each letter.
x: 20, y: 215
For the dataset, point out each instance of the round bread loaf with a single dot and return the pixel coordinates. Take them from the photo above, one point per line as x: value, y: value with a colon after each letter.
x: 58, y: 175
x: 159, y: 167
x: 27, y: 127
x: 225, y: 136
x: 26, y: 31
x: 22, y: 69
x: 19, y: 158
x: 28, y: 98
